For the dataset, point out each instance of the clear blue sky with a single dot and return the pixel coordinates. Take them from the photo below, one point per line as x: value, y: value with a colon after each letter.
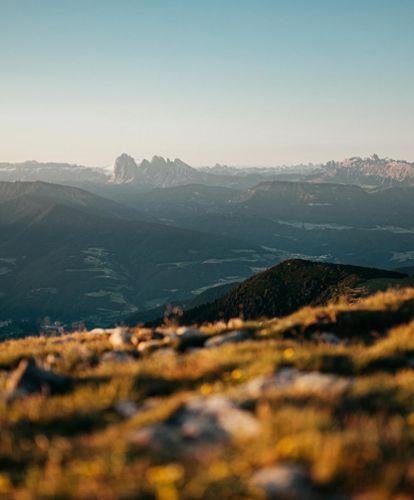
x: 245, y: 82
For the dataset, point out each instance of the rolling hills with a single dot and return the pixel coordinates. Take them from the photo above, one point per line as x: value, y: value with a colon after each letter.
x: 332, y: 222
x: 72, y: 256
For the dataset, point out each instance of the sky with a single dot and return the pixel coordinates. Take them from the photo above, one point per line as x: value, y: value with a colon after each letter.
x: 237, y: 82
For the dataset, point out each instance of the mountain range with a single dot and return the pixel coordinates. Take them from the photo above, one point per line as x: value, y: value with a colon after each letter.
x: 323, y: 221
x: 368, y: 171
x: 161, y: 172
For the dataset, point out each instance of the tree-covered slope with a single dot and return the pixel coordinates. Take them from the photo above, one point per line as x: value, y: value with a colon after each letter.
x: 284, y: 288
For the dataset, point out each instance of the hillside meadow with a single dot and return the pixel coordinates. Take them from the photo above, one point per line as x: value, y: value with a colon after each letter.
x: 319, y: 404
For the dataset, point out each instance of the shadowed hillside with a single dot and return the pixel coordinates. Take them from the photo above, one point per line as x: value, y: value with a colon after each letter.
x: 292, y: 284
x: 74, y: 256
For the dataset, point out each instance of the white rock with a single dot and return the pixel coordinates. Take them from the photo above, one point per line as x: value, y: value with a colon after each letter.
x: 98, y: 331
x: 126, y: 409
x: 120, y: 338
x: 290, y: 378
x: 230, y: 418
x: 227, y: 338
x: 199, y: 426
x: 284, y: 482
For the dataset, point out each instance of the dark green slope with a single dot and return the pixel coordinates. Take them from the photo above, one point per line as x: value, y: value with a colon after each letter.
x: 286, y: 287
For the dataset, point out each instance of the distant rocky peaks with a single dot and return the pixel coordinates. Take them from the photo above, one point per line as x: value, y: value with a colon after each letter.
x: 163, y: 172
x: 125, y: 169
x: 166, y: 162
x: 372, y: 170
x: 158, y: 171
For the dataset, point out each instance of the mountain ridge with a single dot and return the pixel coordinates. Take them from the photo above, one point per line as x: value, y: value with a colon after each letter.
x: 161, y: 172
x: 285, y: 287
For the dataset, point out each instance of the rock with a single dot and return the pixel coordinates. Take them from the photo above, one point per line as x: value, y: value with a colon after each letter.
x: 120, y: 338
x: 28, y: 378
x: 227, y: 415
x: 126, y: 409
x: 283, y: 482
x: 320, y: 382
x: 98, y: 331
x: 227, y: 338
x: 327, y: 338
x: 187, y: 338
x: 290, y: 378
x: 125, y: 169
x: 152, y: 345
x: 198, y: 426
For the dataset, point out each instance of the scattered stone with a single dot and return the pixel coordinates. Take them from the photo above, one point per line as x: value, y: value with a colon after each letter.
x: 188, y: 338
x: 28, y: 378
x: 200, y: 425
x: 283, y: 482
x: 290, y: 378
x: 227, y: 338
x: 120, y: 338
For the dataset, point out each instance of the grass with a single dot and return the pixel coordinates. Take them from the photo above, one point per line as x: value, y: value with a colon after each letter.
x: 357, y: 442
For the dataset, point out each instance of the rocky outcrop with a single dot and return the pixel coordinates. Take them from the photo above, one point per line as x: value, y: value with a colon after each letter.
x: 125, y: 169
x: 372, y: 170
x: 157, y: 172
x: 198, y: 426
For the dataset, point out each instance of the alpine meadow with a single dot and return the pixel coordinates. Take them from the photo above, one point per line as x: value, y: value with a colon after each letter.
x: 206, y: 250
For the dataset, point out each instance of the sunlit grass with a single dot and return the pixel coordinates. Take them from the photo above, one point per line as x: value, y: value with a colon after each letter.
x: 358, y: 441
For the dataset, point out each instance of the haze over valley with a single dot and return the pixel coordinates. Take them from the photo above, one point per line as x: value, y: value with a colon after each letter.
x: 94, y: 246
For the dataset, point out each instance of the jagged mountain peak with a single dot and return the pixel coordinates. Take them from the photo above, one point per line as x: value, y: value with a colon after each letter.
x: 158, y: 171
x: 125, y: 169
x: 371, y: 170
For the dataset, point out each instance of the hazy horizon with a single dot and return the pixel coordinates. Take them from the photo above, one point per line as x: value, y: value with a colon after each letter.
x: 240, y: 83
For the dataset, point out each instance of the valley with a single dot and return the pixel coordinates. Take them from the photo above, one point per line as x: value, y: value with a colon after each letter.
x: 111, y: 247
